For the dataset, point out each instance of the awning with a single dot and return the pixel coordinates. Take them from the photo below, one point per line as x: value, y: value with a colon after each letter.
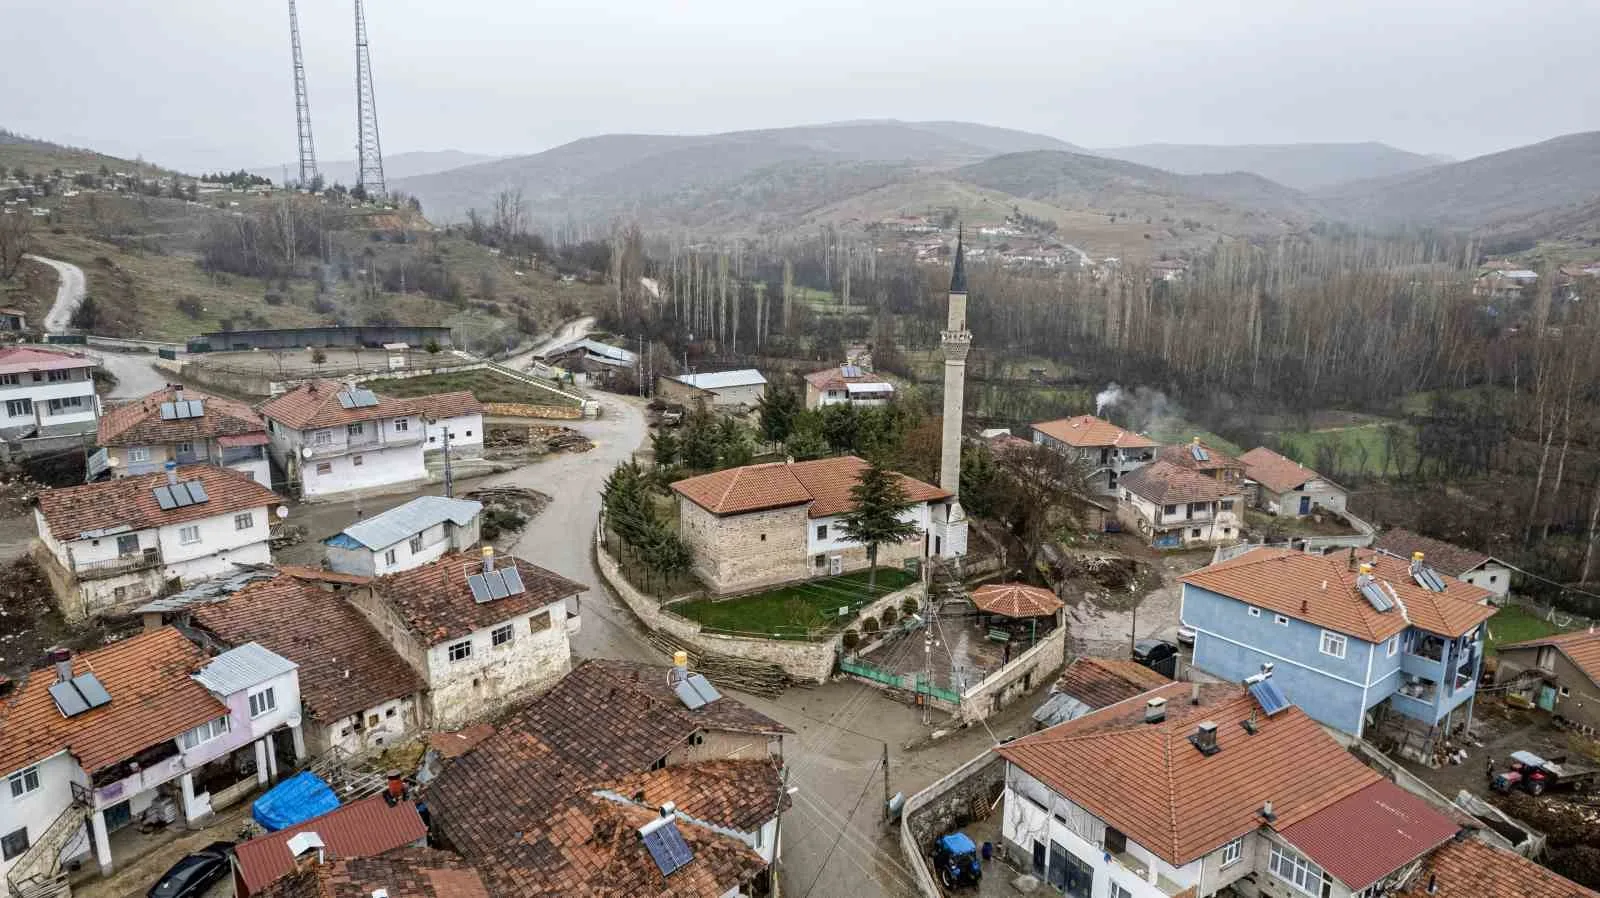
x: 244, y: 439
x: 869, y: 388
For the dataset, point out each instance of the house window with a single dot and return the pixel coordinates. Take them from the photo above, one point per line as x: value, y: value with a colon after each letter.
x: 1565, y: 692
x: 1232, y: 851
x: 1169, y: 509
x: 461, y: 651
x: 500, y: 635
x: 1280, y: 620
x: 24, y: 781
x: 1227, y: 505
x: 57, y: 377
x: 189, y: 535
x: 1194, y: 532
x: 1393, y: 646
x: 322, y: 438
x: 469, y: 433
x: 1253, y: 611
x: 1295, y: 870
x: 205, y: 732
x: 1493, y: 577
x: 822, y: 531
x: 402, y: 424
x: 10, y: 380
x: 763, y: 537
x: 57, y: 406
x: 325, y: 467
x: 389, y: 713
x: 373, y: 720
x: 357, y: 461
x: 14, y: 843
x: 820, y: 560
x: 1333, y: 644
x: 244, y: 521
x: 1118, y: 891
x: 185, y: 448
x: 139, y: 453
x: 16, y: 408
x: 354, y: 429
x: 416, y: 544
x: 538, y: 622
x: 262, y: 702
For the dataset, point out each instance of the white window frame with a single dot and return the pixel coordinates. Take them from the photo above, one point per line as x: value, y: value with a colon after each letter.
x: 501, y: 635
x: 17, y: 408
x: 459, y: 651
x: 24, y: 781
x: 189, y: 534
x: 10, y: 380
x: 402, y: 424
x: 1339, y: 643
x: 59, y: 376
x: 244, y: 520
x: 1393, y: 646
x: 184, y: 447
x: 263, y: 702
x: 355, y: 428
x: 1280, y: 620
x: 205, y: 732
x: 1295, y: 870
x: 1118, y: 891
x: 416, y: 545
x: 1232, y: 852
x: 322, y: 438
x: 1253, y: 611
x: 139, y: 453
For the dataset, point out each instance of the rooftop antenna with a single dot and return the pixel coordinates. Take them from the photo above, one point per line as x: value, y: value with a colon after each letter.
x: 302, y: 106
x: 369, y: 153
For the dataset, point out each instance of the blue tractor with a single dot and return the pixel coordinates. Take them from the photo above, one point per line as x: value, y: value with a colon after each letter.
x: 956, y: 859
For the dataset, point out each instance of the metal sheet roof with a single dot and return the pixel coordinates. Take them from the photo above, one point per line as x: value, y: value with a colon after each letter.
x: 402, y: 523
x: 241, y: 667
x: 719, y: 380
x: 214, y: 590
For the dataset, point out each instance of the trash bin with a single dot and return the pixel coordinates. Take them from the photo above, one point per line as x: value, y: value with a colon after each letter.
x: 988, y: 851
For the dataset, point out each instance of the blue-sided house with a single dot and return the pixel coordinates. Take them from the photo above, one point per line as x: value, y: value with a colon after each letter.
x: 1356, y: 640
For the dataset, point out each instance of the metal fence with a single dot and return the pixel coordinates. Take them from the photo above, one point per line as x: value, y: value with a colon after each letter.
x: 917, y: 684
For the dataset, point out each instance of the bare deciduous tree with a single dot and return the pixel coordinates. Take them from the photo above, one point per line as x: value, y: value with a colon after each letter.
x: 16, y: 239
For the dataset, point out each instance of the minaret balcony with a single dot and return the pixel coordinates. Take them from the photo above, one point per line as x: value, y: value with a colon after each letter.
x: 955, y: 336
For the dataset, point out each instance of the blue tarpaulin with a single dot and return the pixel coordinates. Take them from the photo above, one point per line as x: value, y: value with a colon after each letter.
x: 296, y: 799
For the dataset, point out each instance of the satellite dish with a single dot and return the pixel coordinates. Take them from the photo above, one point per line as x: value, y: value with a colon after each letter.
x: 293, y: 720
x: 113, y: 461
x: 305, y: 451
x: 283, y: 512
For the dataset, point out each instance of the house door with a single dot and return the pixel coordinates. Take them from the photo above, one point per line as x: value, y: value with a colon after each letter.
x: 1073, y: 877
x: 1038, y: 859
x: 118, y: 816
x: 1305, y: 505
x: 1547, y: 698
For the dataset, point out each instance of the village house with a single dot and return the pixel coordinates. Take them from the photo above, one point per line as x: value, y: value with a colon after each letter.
x: 1090, y: 683
x: 109, y: 544
x: 333, y: 440
x: 589, y: 360
x: 405, y: 537
x: 1168, y: 269
x: 1559, y: 673
x: 759, y: 525
x: 1478, y: 568
x: 1203, y: 458
x: 1354, y: 639
x: 719, y: 390
x: 847, y: 384
x: 1109, y: 451
x: 635, y: 755
x: 1505, y: 283
x: 1469, y: 868
x: 363, y: 828
x: 358, y: 693
x: 187, y: 427
x: 1286, y: 488
x: 458, y: 414
x: 1189, y: 789
x: 1177, y: 507
x: 481, y: 632
x: 13, y: 320
x: 402, y: 873
x: 46, y: 392
x: 147, y: 726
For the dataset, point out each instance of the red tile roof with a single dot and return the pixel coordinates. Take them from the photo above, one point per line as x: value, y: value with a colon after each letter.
x: 456, y: 744
x: 317, y: 404
x: 1440, y: 555
x: 1274, y: 471
x: 1089, y: 431
x: 1016, y: 600
x: 447, y: 405
x: 401, y: 873
x: 834, y: 379
x: 1321, y: 590
x: 130, y: 502
x: 346, y: 666
x: 825, y: 484
x: 1148, y: 781
x: 739, y: 795
x: 437, y: 605
x: 139, y: 423
x: 23, y: 359
x: 1164, y: 483
x: 1182, y: 455
x: 1472, y: 869
x: 1582, y: 648
x: 1370, y: 834
x: 1100, y: 682
x: 153, y: 699
x: 322, y: 575
x: 359, y: 829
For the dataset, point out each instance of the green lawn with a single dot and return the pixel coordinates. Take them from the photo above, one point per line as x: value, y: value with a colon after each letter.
x: 486, y: 385
x: 1182, y: 432
x: 1361, y: 449
x: 1514, y: 624
x: 789, y: 612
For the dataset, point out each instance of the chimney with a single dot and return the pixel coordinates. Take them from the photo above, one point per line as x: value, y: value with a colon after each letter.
x: 1155, y: 710
x: 1194, y: 693
x: 62, y: 659
x: 177, y: 392
x: 488, y: 559
x: 1205, y: 738
x: 172, y: 473
x: 1433, y: 884
x: 1267, y: 814
x: 151, y: 620
x: 1352, y: 563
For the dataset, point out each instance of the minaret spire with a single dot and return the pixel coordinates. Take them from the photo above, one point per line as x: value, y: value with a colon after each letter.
x: 958, y: 275
x: 950, y: 528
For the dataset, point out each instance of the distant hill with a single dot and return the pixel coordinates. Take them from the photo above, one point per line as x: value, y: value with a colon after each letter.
x: 34, y: 155
x: 399, y: 165
x: 1479, y: 192
x: 1303, y: 166
x: 599, y: 177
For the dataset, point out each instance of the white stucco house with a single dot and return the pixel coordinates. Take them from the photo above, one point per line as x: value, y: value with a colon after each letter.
x: 110, y: 545
x: 335, y: 440
x: 722, y: 390
x: 481, y: 632
x: 405, y: 537
x: 1286, y: 488
x: 148, y: 724
x: 458, y: 414
x: 847, y: 385
x: 1176, y: 507
x: 46, y: 392
x: 184, y: 426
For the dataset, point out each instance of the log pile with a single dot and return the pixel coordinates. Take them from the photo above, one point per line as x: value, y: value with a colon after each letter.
x: 755, y: 677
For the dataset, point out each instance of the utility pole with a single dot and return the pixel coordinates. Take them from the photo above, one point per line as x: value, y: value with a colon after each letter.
x: 886, y: 781
x: 449, y: 479
x: 927, y: 676
x: 777, y: 832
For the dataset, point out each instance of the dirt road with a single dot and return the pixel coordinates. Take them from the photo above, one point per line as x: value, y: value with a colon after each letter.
x: 69, y: 294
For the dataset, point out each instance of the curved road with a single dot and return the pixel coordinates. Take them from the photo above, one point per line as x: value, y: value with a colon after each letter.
x: 70, y: 291
x: 135, y: 375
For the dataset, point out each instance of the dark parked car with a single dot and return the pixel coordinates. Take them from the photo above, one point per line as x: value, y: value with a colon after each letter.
x: 1158, y: 655
x: 194, y: 874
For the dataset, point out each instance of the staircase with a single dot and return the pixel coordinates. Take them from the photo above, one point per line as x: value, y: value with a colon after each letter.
x: 37, y: 873
x: 946, y: 593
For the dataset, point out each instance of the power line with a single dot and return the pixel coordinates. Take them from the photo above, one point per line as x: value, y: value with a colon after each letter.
x: 853, y: 808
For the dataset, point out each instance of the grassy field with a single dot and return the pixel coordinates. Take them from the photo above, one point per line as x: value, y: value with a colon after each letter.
x: 1514, y: 624
x: 486, y: 385
x: 790, y: 611
x: 40, y: 156
x: 1361, y: 449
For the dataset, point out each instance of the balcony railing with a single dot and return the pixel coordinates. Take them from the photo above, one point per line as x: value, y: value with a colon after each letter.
x: 365, y: 443
x: 122, y: 564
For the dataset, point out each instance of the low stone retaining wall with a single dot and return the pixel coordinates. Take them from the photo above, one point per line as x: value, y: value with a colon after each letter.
x: 523, y: 410
x: 943, y: 807
x: 1015, y: 679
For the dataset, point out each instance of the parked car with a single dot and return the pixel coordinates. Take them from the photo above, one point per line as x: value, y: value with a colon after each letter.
x: 190, y: 877
x: 1153, y: 652
x: 1186, y: 634
x: 956, y: 859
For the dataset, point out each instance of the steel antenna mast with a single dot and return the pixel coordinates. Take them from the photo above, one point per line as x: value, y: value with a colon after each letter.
x: 369, y: 152
x: 302, y: 106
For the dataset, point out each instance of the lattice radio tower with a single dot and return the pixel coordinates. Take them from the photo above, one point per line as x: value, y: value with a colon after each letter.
x: 369, y: 152
x: 302, y: 106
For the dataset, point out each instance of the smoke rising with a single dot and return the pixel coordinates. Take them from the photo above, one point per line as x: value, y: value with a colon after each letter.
x: 1141, y: 409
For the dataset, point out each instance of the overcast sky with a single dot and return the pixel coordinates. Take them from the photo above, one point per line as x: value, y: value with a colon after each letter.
x: 198, y: 84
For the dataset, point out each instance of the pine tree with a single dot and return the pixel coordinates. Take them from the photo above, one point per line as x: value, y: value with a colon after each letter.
x: 879, y: 502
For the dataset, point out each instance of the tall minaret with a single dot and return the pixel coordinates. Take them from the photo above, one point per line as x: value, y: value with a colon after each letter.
x: 951, y: 537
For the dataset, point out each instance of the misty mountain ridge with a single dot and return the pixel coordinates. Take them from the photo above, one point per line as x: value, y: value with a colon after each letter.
x: 1303, y: 166
x: 397, y: 165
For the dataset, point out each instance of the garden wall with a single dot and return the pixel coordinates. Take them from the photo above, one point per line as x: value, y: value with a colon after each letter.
x: 1015, y: 679
x: 945, y: 806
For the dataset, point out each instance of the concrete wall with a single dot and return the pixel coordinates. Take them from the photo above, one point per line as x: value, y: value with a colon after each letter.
x: 466, y: 435
x: 1577, y: 696
x: 36, y: 810
x: 941, y: 808
x: 1287, y: 503
x: 1016, y: 679
x: 357, y: 733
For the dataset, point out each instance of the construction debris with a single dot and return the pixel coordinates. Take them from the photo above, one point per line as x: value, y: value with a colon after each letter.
x: 507, y: 509
x: 286, y: 535
x: 536, y: 438
x: 755, y: 677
